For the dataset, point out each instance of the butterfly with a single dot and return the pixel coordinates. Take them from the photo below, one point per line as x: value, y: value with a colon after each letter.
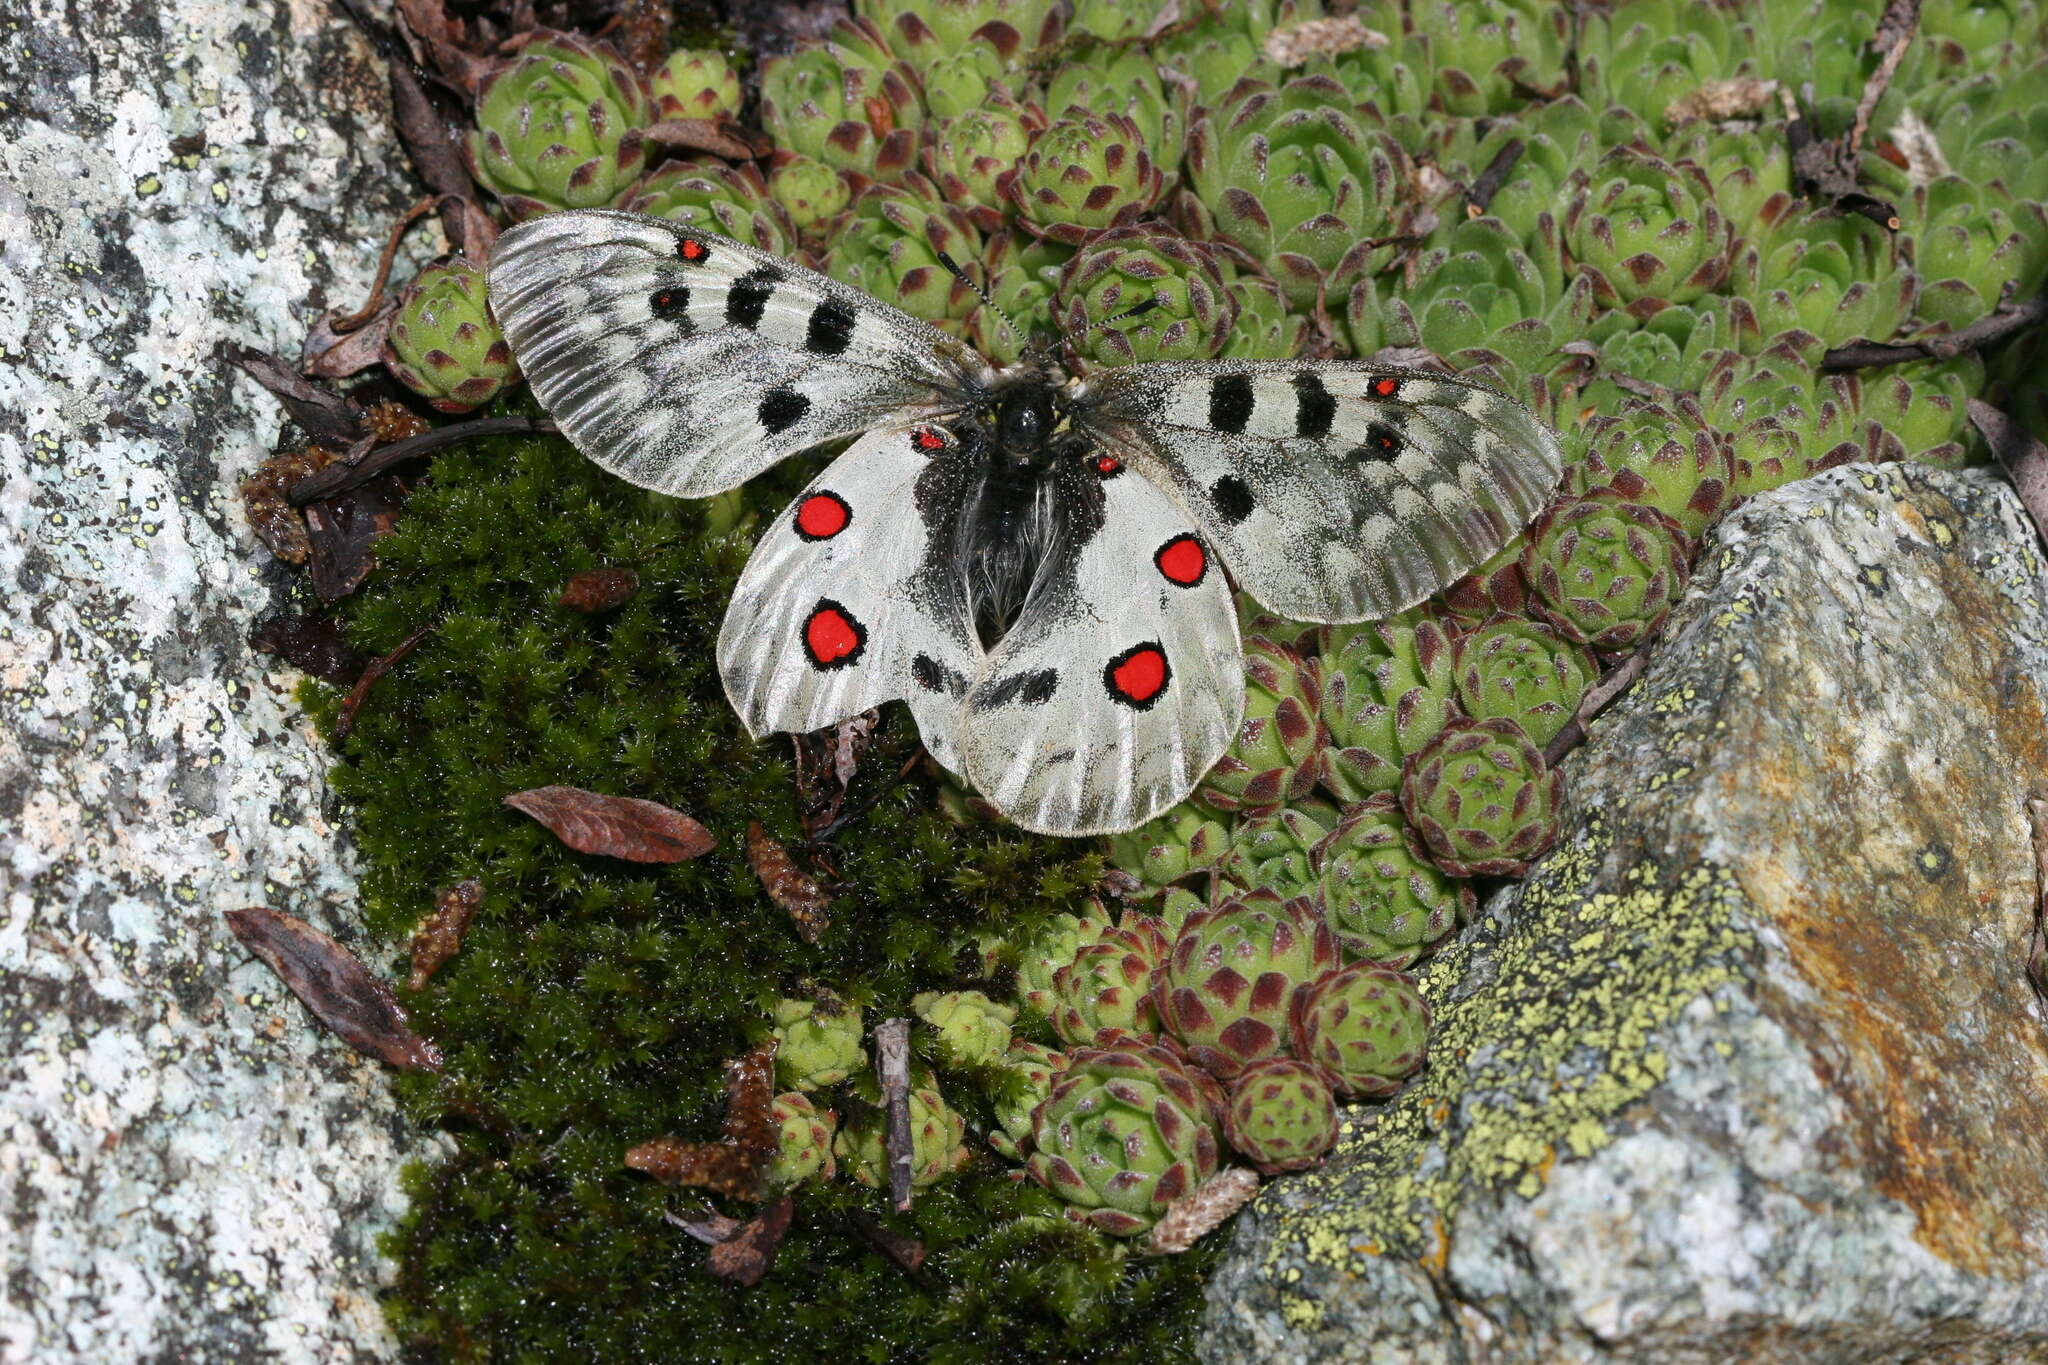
x: 1039, y: 565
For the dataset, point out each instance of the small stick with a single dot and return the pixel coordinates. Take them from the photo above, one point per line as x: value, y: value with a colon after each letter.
x: 340, y: 477
x: 2025, y: 459
x: 398, y: 229
x: 345, y: 720
x: 2037, y: 942
x: 1596, y: 700
x: 892, y: 1068
x: 1480, y: 196
x: 1993, y: 327
x: 906, y: 1252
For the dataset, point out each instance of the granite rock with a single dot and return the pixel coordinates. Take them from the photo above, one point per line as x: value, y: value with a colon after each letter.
x: 188, y: 1171
x: 1749, y: 1068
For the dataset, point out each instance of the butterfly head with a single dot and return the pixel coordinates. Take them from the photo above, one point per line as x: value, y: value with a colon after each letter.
x: 1025, y: 416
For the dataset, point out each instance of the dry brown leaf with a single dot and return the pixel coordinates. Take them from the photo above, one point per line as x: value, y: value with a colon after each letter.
x: 596, y: 590
x: 1201, y: 1210
x: 788, y: 885
x: 275, y: 521
x: 1297, y: 44
x: 332, y: 354
x: 357, y: 1007
x: 746, y: 1256
x: 736, y: 1164
x: 1736, y: 97
x: 344, y: 531
x: 313, y: 645
x: 439, y: 937
x: 615, y: 826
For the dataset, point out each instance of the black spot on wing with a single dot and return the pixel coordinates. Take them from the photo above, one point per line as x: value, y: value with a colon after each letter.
x: 747, y: 299
x: 781, y: 409
x: 1233, y: 499
x: 1230, y: 403
x: 1033, y: 689
x: 671, y: 303
x: 1382, y: 442
x: 1314, y: 409
x: 830, y: 330
x: 934, y: 676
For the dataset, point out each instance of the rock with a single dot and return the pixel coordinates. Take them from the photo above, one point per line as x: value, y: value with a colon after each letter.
x: 1749, y: 1069
x: 187, y: 1170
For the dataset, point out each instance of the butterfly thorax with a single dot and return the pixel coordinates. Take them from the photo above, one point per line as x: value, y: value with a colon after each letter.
x: 1021, y: 503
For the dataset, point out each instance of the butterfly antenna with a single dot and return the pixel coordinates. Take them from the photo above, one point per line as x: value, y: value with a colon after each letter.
x: 962, y: 276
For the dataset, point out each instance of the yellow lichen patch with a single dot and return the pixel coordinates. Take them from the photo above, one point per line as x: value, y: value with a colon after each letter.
x: 1528, y: 1069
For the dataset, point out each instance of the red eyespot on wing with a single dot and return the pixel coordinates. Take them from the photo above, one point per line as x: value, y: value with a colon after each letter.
x: 1182, y: 561
x: 1138, y: 676
x: 1108, y: 466
x: 1386, y: 388
x: 832, y: 637
x: 692, y: 250
x: 822, y: 516
x: 925, y: 438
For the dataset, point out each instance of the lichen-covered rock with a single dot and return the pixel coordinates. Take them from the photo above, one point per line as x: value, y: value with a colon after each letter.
x: 190, y: 1169
x: 1697, y: 1089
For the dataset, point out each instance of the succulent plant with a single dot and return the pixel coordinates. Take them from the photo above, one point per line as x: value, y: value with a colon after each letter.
x: 1493, y: 589
x: 1666, y: 458
x: 810, y: 192
x: 921, y: 30
x: 1750, y: 171
x: 1270, y: 850
x: 1281, y: 1115
x: 1489, y: 52
x: 1383, y: 898
x: 1605, y: 571
x: 1193, y: 314
x: 966, y: 155
x: 1027, y: 1073
x: 1186, y: 839
x: 1291, y: 177
x: 1041, y: 955
x: 1365, y: 1027
x: 1265, y: 330
x: 937, y: 1142
x: 1648, y: 229
x: 1232, y: 971
x: 444, y: 344
x: 817, y: 1042
x: 1557, y: 141
x: 559, y: 125
x: 1973, y: 245
x: 732, y: 201
x: 1924, y: 406
x: 970, y: 1029
x: 1388, y: 689
x: 1647, y: 55
x: 1126, y: 1131
x: 804, y: 1151
x: 1022, y: 271
x: 1482, y: 799
x: 888, y: 244
x: 1275, y: 755
x: 1085, y: 172
x: 695, y: 84
x: 1108, y: 984
x: 1836, y: 276
x: 843, y: 102
x: 1522, y: 670
x: 1127, y: 83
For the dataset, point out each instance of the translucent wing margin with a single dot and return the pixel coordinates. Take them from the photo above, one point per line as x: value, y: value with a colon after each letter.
x: 1121, y: 682
x: 852, y: 599
x: 688, y: 363
x: 1335, y: 491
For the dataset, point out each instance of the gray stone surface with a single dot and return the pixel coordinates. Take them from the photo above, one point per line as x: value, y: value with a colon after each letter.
x: 1748, y: 1070
x: 186, y: 1171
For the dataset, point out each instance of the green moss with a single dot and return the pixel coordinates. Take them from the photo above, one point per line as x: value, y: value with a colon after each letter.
x: 594, y: 1001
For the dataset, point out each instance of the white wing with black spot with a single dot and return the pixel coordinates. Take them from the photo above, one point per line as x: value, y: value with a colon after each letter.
x: 1335, y: 491
x: 689, y: 363
x: 851, y: 598
x: 1122, y: 680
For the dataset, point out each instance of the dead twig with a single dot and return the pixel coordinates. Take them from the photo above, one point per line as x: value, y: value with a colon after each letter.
x: 345, y: 719
x: 1597, y: 699
x: 907, y: 1253
x: 342, y: 476
x: 1988, y: 330
x: 1480, y: 196
x: 2037, y: 942
x: 892, y: 1068
x: 348, y: 322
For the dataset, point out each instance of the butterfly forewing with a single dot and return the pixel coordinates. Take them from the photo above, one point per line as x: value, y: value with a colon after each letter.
x: 1336, y: 492
x: 689, y: 363
x: 1122, y: 681
x: 848, y: 600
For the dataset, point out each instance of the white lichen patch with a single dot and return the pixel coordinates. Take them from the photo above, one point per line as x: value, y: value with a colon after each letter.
x: 189, y: 1171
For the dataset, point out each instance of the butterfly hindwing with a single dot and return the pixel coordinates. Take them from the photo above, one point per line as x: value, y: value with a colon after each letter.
x: 688, y: 363
x: 1122, y: 680
x: 849, y: 599
x: 1335, y: 491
